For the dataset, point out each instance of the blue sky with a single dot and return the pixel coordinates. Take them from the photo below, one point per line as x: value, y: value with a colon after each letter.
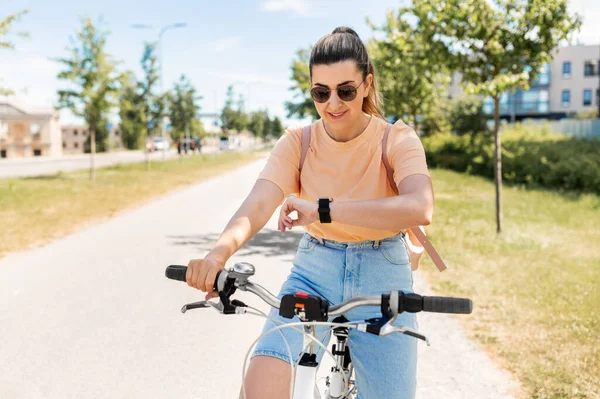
x: 249, y: 43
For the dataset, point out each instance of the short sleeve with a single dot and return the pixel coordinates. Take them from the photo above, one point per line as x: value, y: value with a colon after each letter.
x: 282, y: 167
x: 406, y: 153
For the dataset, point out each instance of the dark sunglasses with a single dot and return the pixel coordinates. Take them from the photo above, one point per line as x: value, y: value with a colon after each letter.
x: 345, y: 93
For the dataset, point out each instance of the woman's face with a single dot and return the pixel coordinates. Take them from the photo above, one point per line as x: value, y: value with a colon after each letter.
x: 337, y: 113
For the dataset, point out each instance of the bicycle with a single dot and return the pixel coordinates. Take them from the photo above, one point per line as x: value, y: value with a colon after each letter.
x: 315, y: 311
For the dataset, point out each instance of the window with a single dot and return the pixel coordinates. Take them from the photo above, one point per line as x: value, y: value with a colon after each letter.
x: 84, y: 132
x: 588, y: 69
x: 587, y: 97
x: 75, y: 145
x: 75, y: 133
x: 37, y: 153
x: 64, y: 145
x: 566, y: 69
x: 3, y: 129
x: 35, y: 130
x: 566, y: 98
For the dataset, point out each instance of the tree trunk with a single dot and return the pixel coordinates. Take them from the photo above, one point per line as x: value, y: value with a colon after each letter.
x: 92, y: 152
x: 147, y: 151
x: 498, y: 164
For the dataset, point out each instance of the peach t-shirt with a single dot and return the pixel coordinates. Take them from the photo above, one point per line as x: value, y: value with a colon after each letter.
x: 349, y: 171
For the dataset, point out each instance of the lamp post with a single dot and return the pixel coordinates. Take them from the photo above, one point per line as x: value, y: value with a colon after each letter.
x: 161, y: 32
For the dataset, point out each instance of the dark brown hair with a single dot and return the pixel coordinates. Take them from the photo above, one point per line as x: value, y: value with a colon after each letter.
x: 341, y: 45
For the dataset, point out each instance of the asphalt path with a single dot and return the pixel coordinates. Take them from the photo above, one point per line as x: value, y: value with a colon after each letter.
x: 92, y: 315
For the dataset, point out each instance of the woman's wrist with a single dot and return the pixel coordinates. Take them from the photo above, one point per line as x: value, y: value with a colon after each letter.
x: 215, y: 256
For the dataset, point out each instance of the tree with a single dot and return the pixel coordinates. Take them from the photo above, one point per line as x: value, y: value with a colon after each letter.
x: 153, y: 104
x: 233, y: 119
x: 259, y: 123
x: 183, y: 109
x: 132, y: 112
x: 410, y: 69
x: 301, y: 76
x: 276, y: 130
x: 93, y: 80
x: 498, y: 45
x: 467, y: 116
x: 5, y: 25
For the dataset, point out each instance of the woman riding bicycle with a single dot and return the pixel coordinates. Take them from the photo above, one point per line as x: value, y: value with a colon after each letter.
x: 354, y: 244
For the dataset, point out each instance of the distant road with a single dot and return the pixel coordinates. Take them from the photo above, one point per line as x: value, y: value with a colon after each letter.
x: 38, y: 166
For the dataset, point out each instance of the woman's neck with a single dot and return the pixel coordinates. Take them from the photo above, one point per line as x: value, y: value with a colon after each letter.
x: 353, y: 131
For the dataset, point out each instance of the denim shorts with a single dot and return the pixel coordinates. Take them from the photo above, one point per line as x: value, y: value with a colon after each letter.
x: 385, y: 367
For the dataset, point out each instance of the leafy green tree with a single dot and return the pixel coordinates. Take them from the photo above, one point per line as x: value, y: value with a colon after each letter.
x: 410, y: 69
x: 498, y: 45
x: 259, y: 123
x: 228, y: 115
x: 276, y: 128
x: 183, y: 109
x: 132, y: 112
x: 305, y: 106
x: 93, y: 82
x: 467, y: 116
x: 5, y: 25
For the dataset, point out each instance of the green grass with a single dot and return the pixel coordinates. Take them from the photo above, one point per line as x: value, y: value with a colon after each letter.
x: 535, y: 289
x: 36, y: 210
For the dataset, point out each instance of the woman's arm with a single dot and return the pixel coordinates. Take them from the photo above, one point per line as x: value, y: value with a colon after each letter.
x: 413, y: 207
x: 253, y: 214
x: 250, y: 218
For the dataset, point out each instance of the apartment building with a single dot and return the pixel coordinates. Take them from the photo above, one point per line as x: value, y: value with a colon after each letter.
x: 25, y: 131
x: 566, y: 85
x: 74, y: 137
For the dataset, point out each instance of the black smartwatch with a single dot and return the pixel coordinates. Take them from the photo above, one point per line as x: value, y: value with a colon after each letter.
x: 324, y: 210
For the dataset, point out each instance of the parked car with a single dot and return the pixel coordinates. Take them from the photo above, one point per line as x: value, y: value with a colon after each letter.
x: 160, y: 144
x: 223, y: 143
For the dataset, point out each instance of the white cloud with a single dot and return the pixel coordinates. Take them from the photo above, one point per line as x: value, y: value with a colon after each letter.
x: 300, y: 7
x: 227, y: 43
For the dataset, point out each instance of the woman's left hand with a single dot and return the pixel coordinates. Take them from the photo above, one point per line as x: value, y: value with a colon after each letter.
x: 308, y: 212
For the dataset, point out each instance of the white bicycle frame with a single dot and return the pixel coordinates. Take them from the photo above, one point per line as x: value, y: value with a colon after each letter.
x: 338, y: 382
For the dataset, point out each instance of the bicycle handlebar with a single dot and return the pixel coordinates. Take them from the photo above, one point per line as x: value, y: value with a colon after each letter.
x: 227, y: 282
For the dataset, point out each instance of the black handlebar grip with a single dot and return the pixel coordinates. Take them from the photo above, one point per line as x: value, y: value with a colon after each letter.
x: 440, y: 304
x: 176, y: 272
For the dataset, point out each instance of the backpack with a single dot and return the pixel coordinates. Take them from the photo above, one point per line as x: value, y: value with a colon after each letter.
x: 416, y: 235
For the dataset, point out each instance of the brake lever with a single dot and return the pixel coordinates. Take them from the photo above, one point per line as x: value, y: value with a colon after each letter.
x: 238, y: 307
x: 388, y: 329
x: 203, y: 304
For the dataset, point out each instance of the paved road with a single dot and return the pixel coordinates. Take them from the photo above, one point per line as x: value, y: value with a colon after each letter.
x: 92, y: 316
x: 39, y: 166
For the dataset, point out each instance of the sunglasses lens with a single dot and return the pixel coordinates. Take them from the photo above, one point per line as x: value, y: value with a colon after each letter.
x: 346, y: 93
x: 320, y: 94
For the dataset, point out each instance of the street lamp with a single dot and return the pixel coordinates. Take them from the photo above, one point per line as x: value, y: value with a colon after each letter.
x: 161, y: 32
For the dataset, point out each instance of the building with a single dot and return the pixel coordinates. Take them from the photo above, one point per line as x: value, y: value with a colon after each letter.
x: 26, y: 131
x: 575, y: 80
x: 566, y: 85
x: 211, y: 122
x: 74, y: 137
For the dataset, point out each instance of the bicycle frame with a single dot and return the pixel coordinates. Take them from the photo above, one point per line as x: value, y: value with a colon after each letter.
x: 339, y: 385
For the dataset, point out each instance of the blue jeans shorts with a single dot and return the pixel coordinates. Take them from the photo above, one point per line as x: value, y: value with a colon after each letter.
x: 385, y: 367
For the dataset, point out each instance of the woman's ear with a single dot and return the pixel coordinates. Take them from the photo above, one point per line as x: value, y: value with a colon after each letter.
x: 368, y: 82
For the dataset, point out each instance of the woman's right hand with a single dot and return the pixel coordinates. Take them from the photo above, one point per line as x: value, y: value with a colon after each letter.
x: 201, y: 274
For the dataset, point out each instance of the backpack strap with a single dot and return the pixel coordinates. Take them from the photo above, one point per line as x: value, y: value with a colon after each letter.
x: 305, y: 145
x: 384, y: 158
x: 417, y: 231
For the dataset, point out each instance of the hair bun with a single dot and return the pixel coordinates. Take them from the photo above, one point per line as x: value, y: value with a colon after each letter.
x: 345, y: 29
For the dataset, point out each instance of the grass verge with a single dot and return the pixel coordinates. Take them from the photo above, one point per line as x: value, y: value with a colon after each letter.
x: 36, y: 210
x: 535, y: 289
